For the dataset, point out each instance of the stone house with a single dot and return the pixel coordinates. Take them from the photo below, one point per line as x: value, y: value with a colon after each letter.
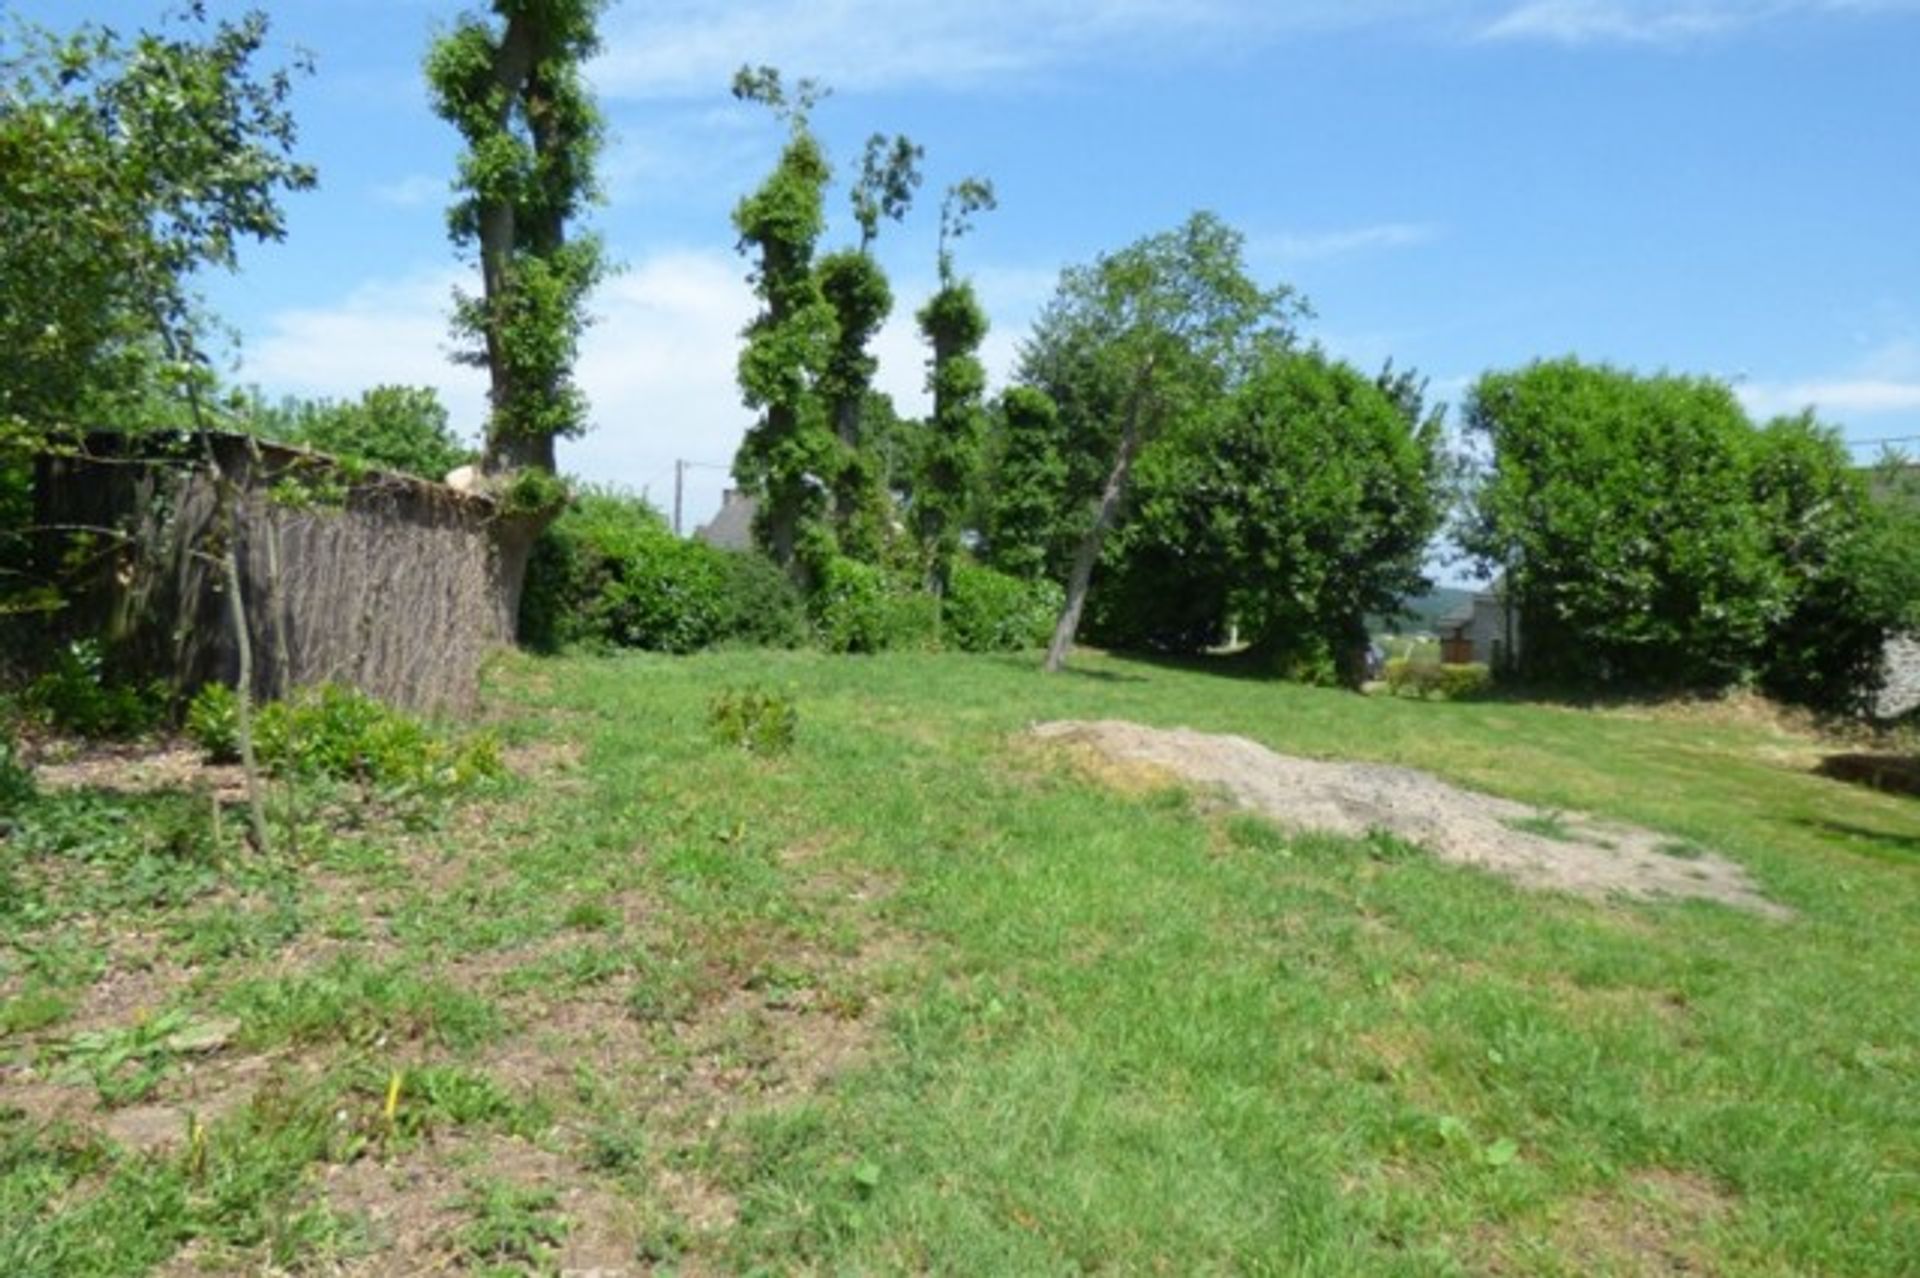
x: 1482, y: 630
x: 731, y: 527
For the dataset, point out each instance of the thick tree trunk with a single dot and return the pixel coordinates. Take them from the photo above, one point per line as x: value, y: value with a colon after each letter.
x: 1088, y: 555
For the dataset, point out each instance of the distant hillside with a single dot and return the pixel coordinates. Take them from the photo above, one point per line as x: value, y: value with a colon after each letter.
x: 1424, y: 611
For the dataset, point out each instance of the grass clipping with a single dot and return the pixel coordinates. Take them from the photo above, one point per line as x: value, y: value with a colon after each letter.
x: 1544, y: 851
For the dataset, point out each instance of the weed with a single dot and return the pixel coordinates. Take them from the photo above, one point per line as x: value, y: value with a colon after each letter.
x: 213, y: 723
x: 33, y: 1009
x: 590, y: 916
x: 126, y: 1063
x: 359, y: 1002
x: 1546, y: 824
x: 511, y: 1226
x: 754, y: 719
x: 617, y: 1145
x: 337, y: 733
x: 16, y: 781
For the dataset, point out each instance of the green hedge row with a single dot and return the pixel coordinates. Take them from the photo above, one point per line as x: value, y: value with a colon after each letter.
x: 610, y: 574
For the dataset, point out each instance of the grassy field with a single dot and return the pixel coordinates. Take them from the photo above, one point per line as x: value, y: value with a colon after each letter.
x: 920, y: 995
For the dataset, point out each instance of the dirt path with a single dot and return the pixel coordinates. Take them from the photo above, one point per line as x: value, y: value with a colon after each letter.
x: 1546, y: 851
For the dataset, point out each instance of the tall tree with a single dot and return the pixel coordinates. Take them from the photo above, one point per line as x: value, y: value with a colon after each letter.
x: 1136, y: 341
x: 1620, y: 510
x: 125, y: 169
x: 128, y: 166
x: 854, y: 285
x: 1302, y: 504
x: 954, y: 324
x: 1027, y: 483
x: 788, y: 457
x: 512, y: 85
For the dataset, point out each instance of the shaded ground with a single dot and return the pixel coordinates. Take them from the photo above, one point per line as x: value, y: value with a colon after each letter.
x: 1895, y: 774
x: 1537, y: 848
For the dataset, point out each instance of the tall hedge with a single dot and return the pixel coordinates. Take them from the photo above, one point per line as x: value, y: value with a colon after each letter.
x: 1654, y: 539
x: 610, y: 573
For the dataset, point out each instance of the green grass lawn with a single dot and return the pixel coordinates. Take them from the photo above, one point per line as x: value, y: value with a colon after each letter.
x: 919, y: 995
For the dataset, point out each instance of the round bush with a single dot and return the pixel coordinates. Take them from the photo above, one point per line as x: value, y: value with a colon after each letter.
x: 989, y: 611
x: 610, y: 573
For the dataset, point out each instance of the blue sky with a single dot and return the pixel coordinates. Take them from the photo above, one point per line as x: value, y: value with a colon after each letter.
x: 1728, y: 187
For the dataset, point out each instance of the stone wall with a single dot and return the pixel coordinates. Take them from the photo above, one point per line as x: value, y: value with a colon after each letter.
x: 1901, y: 693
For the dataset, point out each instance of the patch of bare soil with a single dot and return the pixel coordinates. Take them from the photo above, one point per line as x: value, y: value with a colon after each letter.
x: 139, y: 769
x: 1539, y: 850
x: 412, y: 1207
x: 1651, y: 1226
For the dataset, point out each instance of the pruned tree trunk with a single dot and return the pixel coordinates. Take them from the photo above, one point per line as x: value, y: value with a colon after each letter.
x: 1105, y: 515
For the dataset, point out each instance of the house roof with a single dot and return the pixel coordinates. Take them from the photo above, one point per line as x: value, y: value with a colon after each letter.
x: 732, y: 527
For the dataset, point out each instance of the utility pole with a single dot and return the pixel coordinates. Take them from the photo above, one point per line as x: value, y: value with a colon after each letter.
x: 679, y: 492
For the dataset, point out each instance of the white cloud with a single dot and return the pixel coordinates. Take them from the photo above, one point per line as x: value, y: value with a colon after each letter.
x: 384, y: 331
x: 1661, y: 22
x: 1317, y: 246
x: 657, y: 365
x: 1885, y: 380
x: 692, y: 47
x: 413, y: 191
x: 1587, y: 21
x: 1855, y: 397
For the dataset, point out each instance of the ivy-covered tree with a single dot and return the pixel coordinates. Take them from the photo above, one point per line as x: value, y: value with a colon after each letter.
x: 856, y: 288
x: 1026, y: 494
x: 512, y: 85
x: 788, y: 458
x: 954, y: 324
x: 1138, y: 340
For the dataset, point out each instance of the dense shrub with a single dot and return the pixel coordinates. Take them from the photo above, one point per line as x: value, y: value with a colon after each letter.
x: 860, y: 608
x: 339, y: 734
x: 1303, y: 503
x: 1653, y: 538
x: 988, y: 611
x: 1460, y: 682
x: 1425, y: 679
x: 611, y: 573
x: 213, y: 723
x: 81, y: 695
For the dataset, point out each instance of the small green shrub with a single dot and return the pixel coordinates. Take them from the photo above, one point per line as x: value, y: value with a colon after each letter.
x: 1403, y: 676
x: 16, y: 782
x: 989, y: 611
x: 1424, y: 679
x: 754, y: 719
x: 213, y: 723
x: 344, y: 735
x: 858, y: 607
x: 1460, y: 682
x: 80, y: 696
